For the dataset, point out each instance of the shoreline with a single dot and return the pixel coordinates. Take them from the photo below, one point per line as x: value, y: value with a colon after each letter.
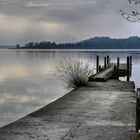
x: 88, y: 50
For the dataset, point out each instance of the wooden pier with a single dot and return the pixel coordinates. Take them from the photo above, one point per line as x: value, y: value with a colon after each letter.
x: 112, y: 70
x: 98, y: 111
x: 103, y: 75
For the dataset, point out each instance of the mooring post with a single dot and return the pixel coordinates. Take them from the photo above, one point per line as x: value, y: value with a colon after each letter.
x: 138, y: 110
x: 115, y: 70
x: 128, y: 68
x: 130, y: 62
x: 105, y: 63
x: 108, y: 60
x: 118, y: 65
x: 97, y: 64
x: 100, y: 68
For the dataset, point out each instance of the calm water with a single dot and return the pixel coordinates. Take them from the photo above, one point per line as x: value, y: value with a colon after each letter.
x: 28, y: 79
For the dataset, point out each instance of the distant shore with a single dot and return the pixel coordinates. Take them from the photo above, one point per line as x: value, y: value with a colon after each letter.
x: 115, y: 50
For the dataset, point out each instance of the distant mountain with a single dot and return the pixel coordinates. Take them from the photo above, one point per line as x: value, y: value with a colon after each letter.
x: 92, y: 43
x: 109, y: 43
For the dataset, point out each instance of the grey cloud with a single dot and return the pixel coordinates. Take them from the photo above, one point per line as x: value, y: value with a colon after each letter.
x: 59, y: 11
x: 63, y: 9
x: 47, y: 9
x: 82, y: 19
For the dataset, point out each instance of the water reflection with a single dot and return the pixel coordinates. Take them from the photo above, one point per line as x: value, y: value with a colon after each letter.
x: 28, y: 81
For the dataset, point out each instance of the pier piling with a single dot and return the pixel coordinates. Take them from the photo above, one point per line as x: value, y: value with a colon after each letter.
x: 105, y: 62
x: 138, y: 110
x: 97, y: 64
x: 115, y: 72
x: 118, y: 65
x: 128, y: 68
x: 100, y: 68
x: 108, y: 60
x: 130, y: 62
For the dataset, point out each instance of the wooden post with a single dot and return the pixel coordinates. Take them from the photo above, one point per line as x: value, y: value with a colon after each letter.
x: 108, y: 60
x: 118, y: 65
x: 115, y: 70
x: 138, y: 110
x: 128, y: 68
x: 97, y: 64
x: 100, y: 68
x: 130, y: 62
x: 105, y: 63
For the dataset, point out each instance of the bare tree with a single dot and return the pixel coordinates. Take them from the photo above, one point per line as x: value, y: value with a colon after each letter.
x: 132, y: 16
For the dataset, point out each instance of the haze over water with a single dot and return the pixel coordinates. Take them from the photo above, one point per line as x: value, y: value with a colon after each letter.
x: 28, y: 79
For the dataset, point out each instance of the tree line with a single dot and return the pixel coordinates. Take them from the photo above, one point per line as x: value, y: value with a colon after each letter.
x: 92, y: 43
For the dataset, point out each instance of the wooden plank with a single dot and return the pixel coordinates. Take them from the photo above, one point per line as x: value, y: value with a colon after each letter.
x: 103, y: 75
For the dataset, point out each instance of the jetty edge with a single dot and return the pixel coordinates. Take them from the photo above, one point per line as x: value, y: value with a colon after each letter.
x: 98, y: 111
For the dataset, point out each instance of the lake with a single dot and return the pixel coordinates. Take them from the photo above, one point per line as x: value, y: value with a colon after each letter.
x: 29, y: 81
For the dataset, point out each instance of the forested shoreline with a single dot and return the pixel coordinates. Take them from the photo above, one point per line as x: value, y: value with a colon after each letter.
x: 92, y: 43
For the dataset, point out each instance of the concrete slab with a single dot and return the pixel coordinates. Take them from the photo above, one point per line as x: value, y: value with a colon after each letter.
x: 99, y: 111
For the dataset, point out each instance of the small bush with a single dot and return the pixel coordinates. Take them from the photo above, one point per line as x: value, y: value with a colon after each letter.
x: 74, y: 72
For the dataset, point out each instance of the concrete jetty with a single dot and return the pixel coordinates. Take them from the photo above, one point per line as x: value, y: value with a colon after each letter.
x: 98, y: 111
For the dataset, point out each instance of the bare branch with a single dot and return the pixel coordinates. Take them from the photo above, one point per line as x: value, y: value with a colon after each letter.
x: 134, y: 1
x: 132, y: 16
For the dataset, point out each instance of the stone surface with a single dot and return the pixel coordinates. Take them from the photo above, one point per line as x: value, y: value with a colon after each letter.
x: 99, y: 111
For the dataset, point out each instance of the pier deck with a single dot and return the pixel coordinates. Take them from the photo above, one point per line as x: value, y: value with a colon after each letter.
x: 108, y: 72
x: 99, y: 111
x: 103, y: 75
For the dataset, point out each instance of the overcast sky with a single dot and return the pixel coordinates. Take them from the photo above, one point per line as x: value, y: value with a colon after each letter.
x: 63, y: 20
